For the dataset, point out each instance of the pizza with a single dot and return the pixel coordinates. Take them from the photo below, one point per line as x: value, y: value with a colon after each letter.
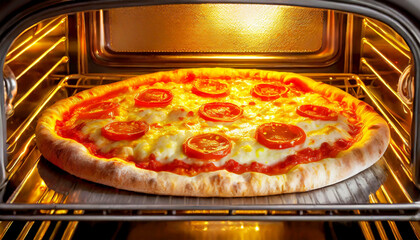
x: 213, y: 132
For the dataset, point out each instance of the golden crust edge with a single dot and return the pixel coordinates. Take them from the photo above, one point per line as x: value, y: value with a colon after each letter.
x: 126, y: 175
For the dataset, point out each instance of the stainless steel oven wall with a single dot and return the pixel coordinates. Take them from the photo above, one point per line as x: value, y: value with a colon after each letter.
x: 29, y: 175
x: 38, y: 57
x: 282, y: 38
x: 387, y: 58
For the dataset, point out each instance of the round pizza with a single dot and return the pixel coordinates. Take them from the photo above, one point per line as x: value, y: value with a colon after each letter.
x: 213, y: 132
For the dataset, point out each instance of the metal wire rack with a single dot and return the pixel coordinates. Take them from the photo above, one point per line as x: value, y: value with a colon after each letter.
x: 384, y: 192
x: 47, y: 193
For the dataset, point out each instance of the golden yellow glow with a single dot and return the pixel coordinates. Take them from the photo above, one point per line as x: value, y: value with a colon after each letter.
x: 384, y: 82
x: 372, y: 198
x: 62, y: 60
x: 32, y: 36
x: 219, y: 212
x: 377, y: 104
x: 249, y: 227
x: 408, y: 173
x: 385, y: 192
x: 251, y: 212
x: 216, y: 28
x: 392, y: 224
x: 397, y: 151
x: 365, y: 41
x: 26, y: 229
x: 4, y: 227
x: 248, y: 18
x: 17, y: 134
x: 379, y: 226
x: 403, y: 190
x: 70, y: 229
x: 63, y: 39
x: 35, y: 41
x: 405, y: 162
x: 370, y: 24
x: 22, y: 153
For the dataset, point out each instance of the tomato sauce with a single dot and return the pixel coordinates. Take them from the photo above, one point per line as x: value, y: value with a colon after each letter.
x: 75, y: 133
x: 306, y: 155
x: 303, y: 156
x: 66, y: 129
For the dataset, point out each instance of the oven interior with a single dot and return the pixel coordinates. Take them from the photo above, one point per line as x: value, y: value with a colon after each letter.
x: 61, y: 56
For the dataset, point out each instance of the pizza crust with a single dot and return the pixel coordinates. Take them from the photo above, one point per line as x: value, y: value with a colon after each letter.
x: 74, y: 158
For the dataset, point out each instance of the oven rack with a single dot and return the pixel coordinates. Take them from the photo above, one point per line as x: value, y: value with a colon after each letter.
x: 382, y: 192
x: 112, y: 212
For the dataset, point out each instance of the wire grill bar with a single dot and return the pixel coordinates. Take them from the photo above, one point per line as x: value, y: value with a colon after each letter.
x: 371, y: 45
x: 33, y: 88
x: 18, y: 133
x: 364, y: 61
x: 11, y: 59
x: 61, y: 40
x: 399, y: 207
x: 385, y: 114
x: 31, y: 37
x: 136, y: 217
x: 397, y: 45
x: 308, y: 206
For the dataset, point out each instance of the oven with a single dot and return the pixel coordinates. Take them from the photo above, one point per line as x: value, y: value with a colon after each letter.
x: 53, y: 49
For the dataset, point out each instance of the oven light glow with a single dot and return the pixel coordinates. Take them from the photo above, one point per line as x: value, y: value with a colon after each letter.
x: 250, y: 18
x: 215, y: 28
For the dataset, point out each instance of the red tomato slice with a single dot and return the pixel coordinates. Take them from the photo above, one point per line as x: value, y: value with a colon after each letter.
x: 154, y: 97
x: 317, y: 112
x: 99, y: 110
x: 210, y: 88
x: 131, y: 130
x: 220, y: 112
x: 207, y: 146
x: 267, y: 92
x: 280, y: 135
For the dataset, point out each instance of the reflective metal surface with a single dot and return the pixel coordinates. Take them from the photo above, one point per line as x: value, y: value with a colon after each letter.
x: 216, y: 28
x: 40, y: 57
x: 10, y: 89
x: 228, y: 230
x: 188, y: 35
x: 385, y: 182
x: 385, y: 55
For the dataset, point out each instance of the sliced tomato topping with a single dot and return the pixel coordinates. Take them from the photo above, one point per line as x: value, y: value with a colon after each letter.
x: 154, y: 97
x: 207, y: 146
x: 267, y: 92
x: 280, y: 135
x: 317, y: 112
x: 210, y: 88
x: 220, y: 112
x: 99, y: 110
x: 131, y: 130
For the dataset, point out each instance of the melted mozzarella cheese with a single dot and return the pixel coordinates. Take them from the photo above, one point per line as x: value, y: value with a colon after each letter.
x: 177, y: 125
